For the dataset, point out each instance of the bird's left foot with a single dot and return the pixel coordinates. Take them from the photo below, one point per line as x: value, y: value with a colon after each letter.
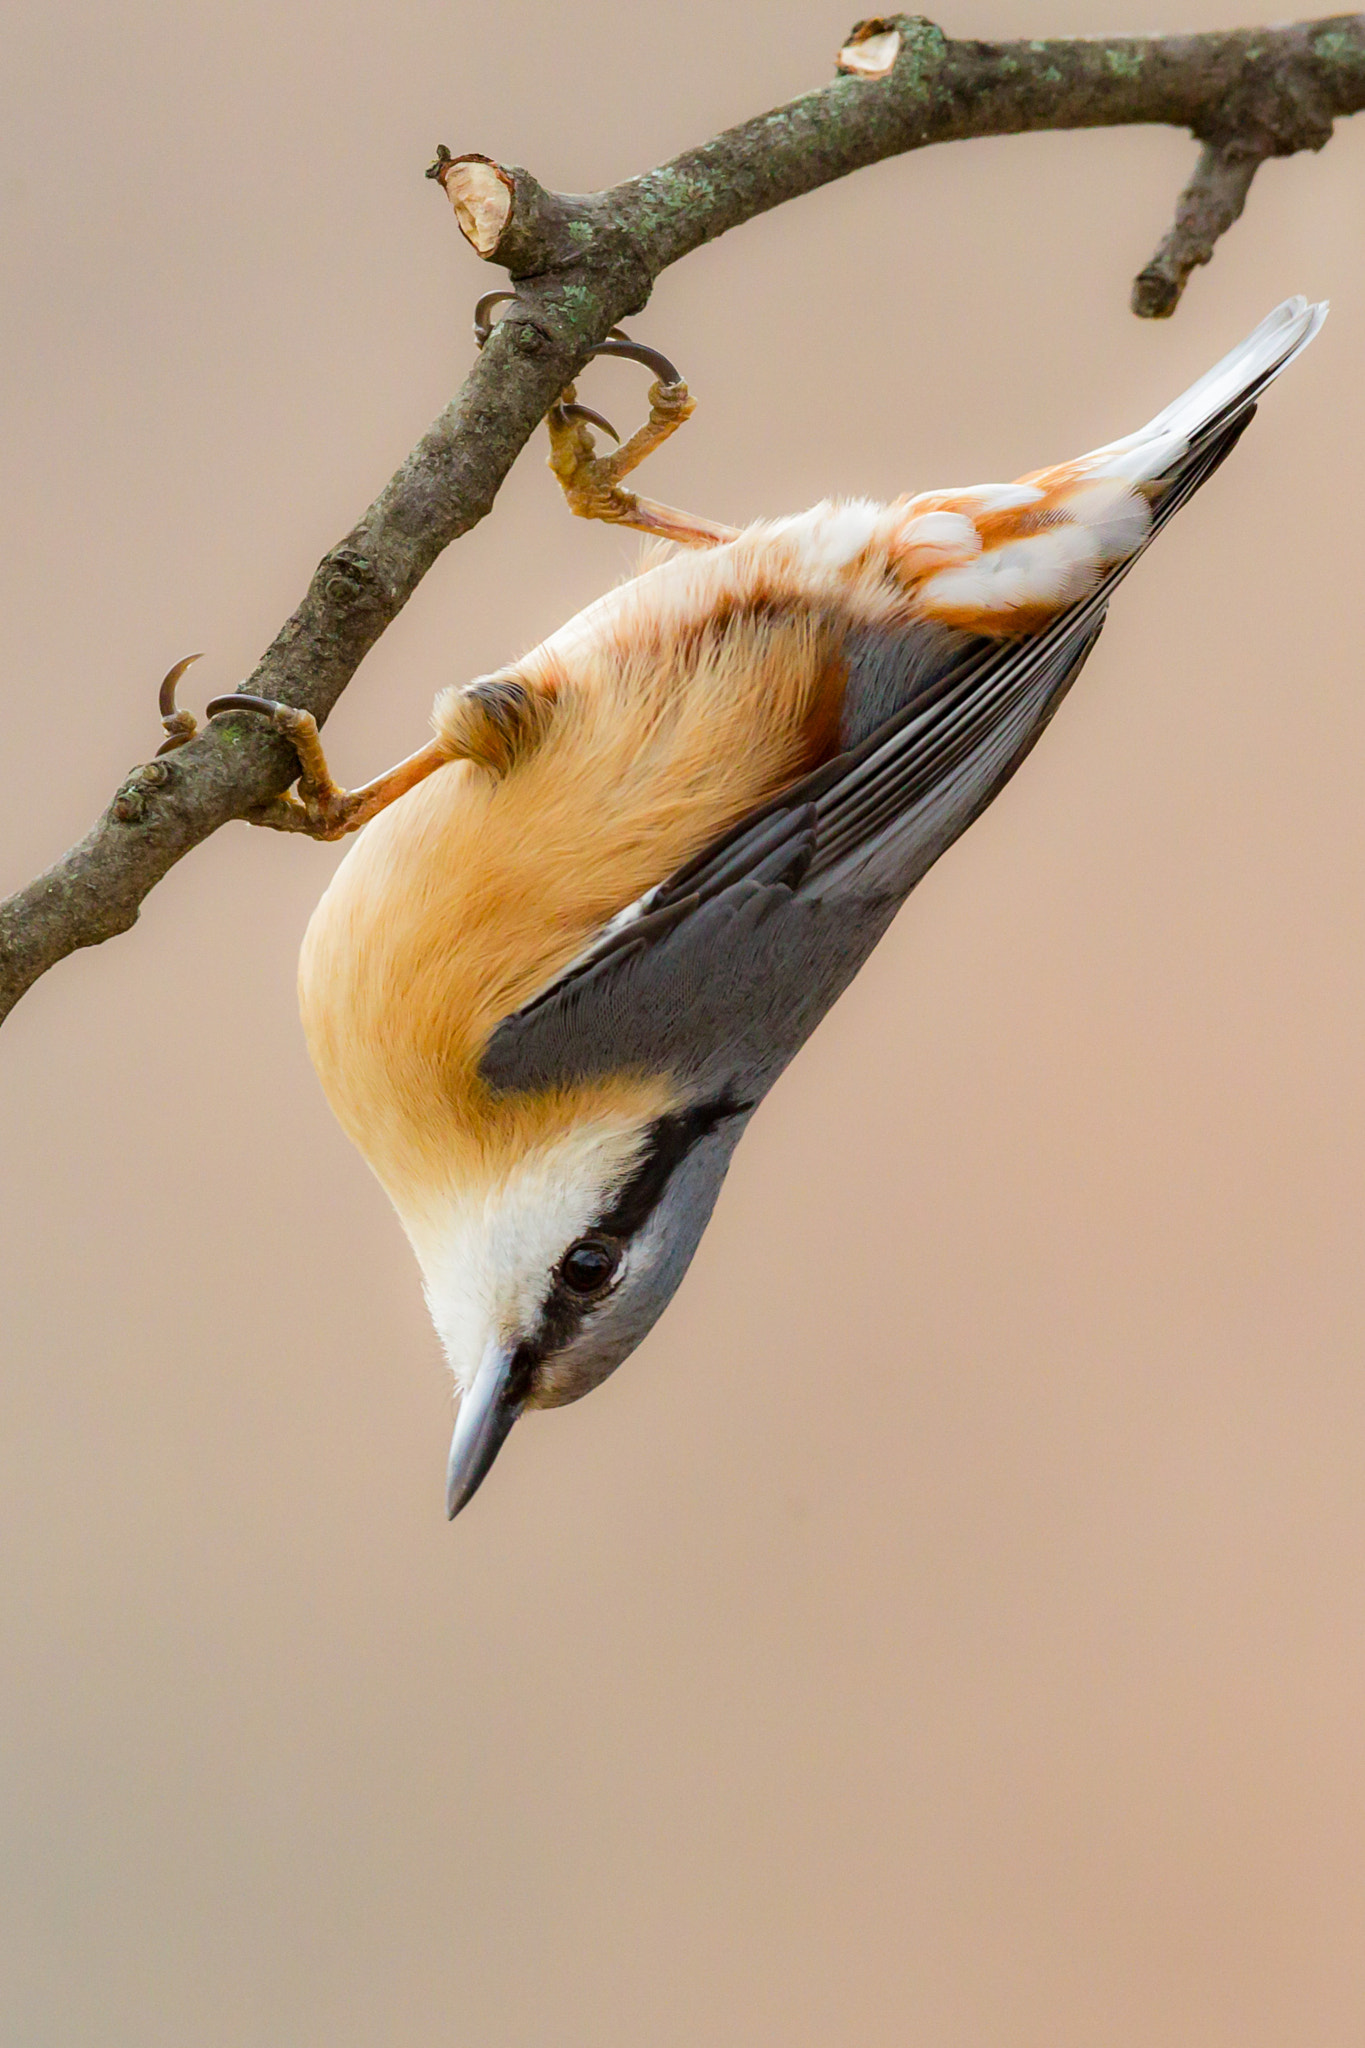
x: 321, y: 807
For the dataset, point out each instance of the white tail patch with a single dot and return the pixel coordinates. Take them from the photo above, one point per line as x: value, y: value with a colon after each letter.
x: 1045, y: 541
x: 933, y: 541
x: 1045, y: 552
x: 1118, y: 519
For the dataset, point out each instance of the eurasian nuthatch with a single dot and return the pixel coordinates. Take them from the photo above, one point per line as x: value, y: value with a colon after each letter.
x: 548, y: 988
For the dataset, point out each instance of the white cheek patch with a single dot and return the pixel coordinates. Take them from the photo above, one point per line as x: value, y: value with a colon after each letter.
x: 487, y: 1265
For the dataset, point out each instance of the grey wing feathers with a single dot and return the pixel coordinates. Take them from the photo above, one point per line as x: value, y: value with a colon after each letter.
x: 721, y: 972
x: 721, y: 1001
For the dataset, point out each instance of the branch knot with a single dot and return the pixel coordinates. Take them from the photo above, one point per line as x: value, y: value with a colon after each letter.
x: 348, y: 579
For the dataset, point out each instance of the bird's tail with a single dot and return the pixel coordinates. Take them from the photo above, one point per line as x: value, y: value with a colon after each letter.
x: 1223, y: 394
x: 1026, y: 551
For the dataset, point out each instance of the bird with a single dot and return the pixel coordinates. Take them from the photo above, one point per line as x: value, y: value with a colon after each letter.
x: 590, y: 922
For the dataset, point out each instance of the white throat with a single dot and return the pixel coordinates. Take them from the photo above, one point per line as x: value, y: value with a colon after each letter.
x: 489, y: 1250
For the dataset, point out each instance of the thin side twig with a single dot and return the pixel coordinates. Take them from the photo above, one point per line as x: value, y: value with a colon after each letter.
x: 1206, y: 209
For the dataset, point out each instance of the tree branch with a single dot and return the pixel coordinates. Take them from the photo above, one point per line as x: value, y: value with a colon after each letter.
x: 584, y: 262
x: 1206, y: 209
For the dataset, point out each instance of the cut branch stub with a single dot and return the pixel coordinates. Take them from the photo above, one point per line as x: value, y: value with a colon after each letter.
x: 507, y: 217
x: 871, y: 50
x: 482, y: 194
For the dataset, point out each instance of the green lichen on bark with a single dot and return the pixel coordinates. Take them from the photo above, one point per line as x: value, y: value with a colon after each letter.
x: 923, y: 49
x: 1123, y: 60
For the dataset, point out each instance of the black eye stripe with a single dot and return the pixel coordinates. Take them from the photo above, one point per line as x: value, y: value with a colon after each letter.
x: 668, y: 1143
x: 521, y: 1378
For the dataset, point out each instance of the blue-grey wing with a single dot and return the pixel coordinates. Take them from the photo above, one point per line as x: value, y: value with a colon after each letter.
x: 718, y: 975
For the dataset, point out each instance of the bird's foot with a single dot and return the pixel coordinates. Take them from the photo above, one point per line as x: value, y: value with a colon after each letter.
x: 321, y: 807
x: 592, y: 483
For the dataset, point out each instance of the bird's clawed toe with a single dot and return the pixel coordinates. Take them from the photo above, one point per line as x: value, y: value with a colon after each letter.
x: 593, y: 483
x: 320, y: 807
x: 483, y: 313
x: 585, y: 413
x: 179, y: 725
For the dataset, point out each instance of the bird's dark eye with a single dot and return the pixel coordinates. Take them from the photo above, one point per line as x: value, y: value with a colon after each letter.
x: 589, y: 1266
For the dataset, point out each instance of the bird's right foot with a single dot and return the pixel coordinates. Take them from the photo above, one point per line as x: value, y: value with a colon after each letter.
x: 592, y: 483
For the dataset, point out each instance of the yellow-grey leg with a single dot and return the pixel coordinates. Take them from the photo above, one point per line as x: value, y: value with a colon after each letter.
x: 592, y: 483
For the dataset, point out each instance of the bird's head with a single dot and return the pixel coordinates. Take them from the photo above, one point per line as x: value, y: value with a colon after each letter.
x: 553, y: 1250
x: 553, y: 1223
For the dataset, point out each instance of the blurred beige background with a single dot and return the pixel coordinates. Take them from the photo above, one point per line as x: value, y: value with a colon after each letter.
x: 951, y: 1628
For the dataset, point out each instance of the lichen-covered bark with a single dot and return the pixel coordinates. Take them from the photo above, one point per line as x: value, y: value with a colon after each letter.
x: 582, y: 263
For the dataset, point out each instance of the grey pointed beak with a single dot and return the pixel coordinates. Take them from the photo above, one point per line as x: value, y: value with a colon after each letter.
x: 486, y: 1415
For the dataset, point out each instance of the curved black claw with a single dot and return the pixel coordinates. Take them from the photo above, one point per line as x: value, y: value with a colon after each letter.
x: 483, y: 325
x: 585, y: 412
x: 241, y: 701
x: 180, y: 725
x: 616, y: 343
